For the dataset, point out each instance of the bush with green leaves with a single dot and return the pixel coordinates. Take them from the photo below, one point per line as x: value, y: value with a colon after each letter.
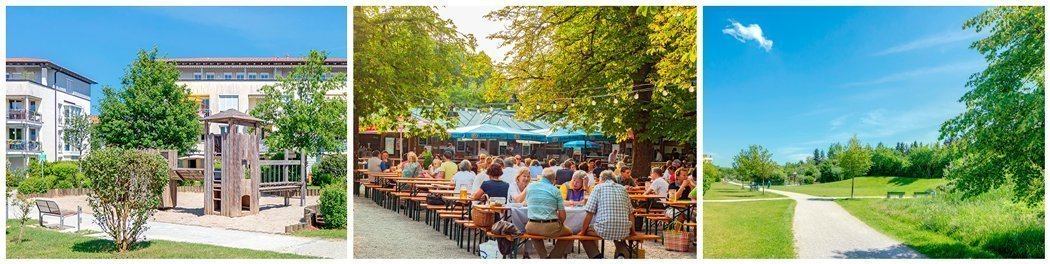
x: 125, y: 191
x: 333, y: 205
x: 807, y: 179
x: 331, y: 169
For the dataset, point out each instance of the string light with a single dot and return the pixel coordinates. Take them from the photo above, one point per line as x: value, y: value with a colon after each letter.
x: 615, y: 101
x: 593, y: 102
x: 665, y: 92
x: 690, y: 89
x: 635, y: 96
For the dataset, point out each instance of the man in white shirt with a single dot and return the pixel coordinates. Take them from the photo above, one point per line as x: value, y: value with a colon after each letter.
x: 657, y: 185
x: 509, y: 172
x: 373, y: 162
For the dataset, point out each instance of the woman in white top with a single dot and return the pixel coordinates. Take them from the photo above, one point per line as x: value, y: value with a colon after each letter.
x: 464, y: 179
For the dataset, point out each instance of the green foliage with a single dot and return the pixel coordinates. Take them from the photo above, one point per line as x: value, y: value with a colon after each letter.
x: 77, y: 131
x: 22, y: 206
x: 125, y: 191
x: 1000, y: 135
x: 711, y: 175
x: 830, y: 171
x: 855, y: 160
x: 807, y: 179
x: 298, y: 107
x: 989, y: 225
x: 754, y: 164
x: 151, y: 111
x: 333, y: 205
x: 405, y: 59
x: 887, y: 161
x: 331, y: 169
x: 867, y: 186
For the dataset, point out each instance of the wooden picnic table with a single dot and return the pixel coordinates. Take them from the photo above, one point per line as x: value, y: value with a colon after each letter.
x: 646, y: 197
x: 681, y: 207
x: 446, y: 192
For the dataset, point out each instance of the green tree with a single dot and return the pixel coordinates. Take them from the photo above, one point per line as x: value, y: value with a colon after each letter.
x: 406, y: 59
x: 304, y: 117
x: 151, y: 111
x: 711, y: 175
x: 125, y: 191
x: 855, y: 161
x: 1000, y: 135
x: 76, y: 132
x: 623, y: 71
x: 754, y: 164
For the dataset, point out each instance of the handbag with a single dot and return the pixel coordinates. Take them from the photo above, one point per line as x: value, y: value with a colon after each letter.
x: 676, y: 238
x: 482, y: 217
x: 435, y: 199
x: 505, y: 228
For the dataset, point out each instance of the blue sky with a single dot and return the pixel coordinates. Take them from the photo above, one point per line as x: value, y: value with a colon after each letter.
x: 793, y: 79
x: 99, y: 42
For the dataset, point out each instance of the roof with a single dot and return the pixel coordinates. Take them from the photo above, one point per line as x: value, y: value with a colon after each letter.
x: 231, y: 114
x: 250, y: 61
x: 47, y: 63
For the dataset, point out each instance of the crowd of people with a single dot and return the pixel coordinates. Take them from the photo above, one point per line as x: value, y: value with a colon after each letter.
x: 548, y: 187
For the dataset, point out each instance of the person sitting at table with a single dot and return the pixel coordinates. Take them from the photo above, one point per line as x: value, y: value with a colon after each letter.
x: 588, y: 177
x: 464, y: 178
x: 373, y: 163
x: 411, y: 168
x: 552, y: 163
x: 447, y: 168
x: 535, y: 169
x: 521, y: 163
x: 682, y: 184
x: 609, y: 206
x: 483, y: 164
x: 546, y: 213
x: 576, y: 190
x: 565, y: 173
x: 494, y: 187
x: 433, y: 169
x: 384, y: 163
x: 598, y: 168
x: 658, y: 185
x: 509, y: 174
x: 625, y: 178
x: 522, y: 182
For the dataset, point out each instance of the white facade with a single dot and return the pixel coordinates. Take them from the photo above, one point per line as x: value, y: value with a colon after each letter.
x: 40, y: 95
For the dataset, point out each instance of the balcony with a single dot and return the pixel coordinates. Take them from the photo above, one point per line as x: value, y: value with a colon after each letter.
x: 23, y: 115
x: 23, y: 146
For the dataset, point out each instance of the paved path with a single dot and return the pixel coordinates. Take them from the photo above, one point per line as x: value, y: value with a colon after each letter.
x: 383, y: 234
x: 824, y: 230
x: 316, y: 247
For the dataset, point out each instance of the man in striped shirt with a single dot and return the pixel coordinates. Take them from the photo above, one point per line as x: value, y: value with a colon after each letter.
x: 547, y: 215
x: 610, y: 208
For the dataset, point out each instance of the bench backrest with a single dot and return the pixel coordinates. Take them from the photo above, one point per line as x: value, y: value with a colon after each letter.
x: 47, y: 206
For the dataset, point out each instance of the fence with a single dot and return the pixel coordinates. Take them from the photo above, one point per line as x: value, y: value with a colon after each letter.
x: 84, y: 191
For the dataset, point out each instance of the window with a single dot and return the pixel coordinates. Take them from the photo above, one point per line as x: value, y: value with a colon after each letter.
x: 223, y: 129
x: 264, y: 76
x: 196, y: 76
x: 251, y: 76
x: 211, y: 76
x: 227, y: 76
x: 14, y: 133
x: 227, y: 102
x: 9, y: 76
x: 240, y: 76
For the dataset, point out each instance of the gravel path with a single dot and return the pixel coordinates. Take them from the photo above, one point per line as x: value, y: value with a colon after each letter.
x: 824, y: 230
x: 383, y: 234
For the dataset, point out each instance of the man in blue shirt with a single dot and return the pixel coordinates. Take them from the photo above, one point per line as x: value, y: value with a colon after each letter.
x: 547, y: 215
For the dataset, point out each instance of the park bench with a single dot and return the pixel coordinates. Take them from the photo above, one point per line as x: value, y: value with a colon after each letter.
x: 926, y: 193
x: 50, y: 208
x: 898, y: 194
x: 755, y: 187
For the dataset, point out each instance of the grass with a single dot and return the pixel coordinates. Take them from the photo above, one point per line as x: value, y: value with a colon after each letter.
x: 987, y: 226
x: 322, y: 233
x: 725, y: 191
x: 40, y: 243
x: 866, y: 186
x: 749, y: 230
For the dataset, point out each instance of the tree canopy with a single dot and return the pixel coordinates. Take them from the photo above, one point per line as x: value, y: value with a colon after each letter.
x: 1000, y: 135
x: 151, y: 111
x: 854, y: 160
x: 623, y: 71
x: 754, y: 163
x: 303, y: 115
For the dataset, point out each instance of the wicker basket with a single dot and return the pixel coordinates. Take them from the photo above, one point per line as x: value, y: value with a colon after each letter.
x: 482, y: 216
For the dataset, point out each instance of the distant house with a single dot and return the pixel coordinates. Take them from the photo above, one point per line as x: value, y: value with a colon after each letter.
x: 41, y: 95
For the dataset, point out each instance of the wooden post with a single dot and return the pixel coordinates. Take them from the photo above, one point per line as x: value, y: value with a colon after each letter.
x: 209, y: 171
x: 302, y: 179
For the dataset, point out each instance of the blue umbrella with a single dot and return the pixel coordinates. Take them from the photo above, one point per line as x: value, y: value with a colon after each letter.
x: 562, y: 135
x: 580, y: 144
x: 486, y: 131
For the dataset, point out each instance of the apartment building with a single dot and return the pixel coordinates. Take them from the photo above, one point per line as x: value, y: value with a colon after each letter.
x: 41, y: 95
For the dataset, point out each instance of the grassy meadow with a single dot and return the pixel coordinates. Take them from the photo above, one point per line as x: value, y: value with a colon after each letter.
x: 725, y: 191
x: 40, y: 243
x: 752, y: 229
x: 987, y: 226
x: 866, y: 186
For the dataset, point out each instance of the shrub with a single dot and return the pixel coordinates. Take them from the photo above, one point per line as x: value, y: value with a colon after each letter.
x: 333, y: 205
x: 35, y: 184
x: 125, y: 191
x: 331, y: 169
x: 807, y: 179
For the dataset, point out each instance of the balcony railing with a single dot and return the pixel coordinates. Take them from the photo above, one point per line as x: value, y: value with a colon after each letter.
x: 23, y: 145
x: 23, y: 115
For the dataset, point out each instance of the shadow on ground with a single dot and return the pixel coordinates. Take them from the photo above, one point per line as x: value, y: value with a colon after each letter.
x: 105, y: 246
x: 894, y: 252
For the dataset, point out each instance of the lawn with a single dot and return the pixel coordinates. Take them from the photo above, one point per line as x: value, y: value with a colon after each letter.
x: 322, y: 233
x: 749, y: 230
x: 987, y: 226
x: 725, y: 191
x: 866, y: 186
x: 49, y: 244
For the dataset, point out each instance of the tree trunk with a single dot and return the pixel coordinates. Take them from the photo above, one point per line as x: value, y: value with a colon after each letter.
x: 642, y: 152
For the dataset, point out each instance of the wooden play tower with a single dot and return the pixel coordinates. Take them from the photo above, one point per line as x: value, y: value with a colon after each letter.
x: 233, y: 188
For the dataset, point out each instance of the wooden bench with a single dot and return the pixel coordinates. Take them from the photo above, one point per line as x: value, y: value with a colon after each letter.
x: 898, y: 194
x: 917, y: 194
x: 50, y: 208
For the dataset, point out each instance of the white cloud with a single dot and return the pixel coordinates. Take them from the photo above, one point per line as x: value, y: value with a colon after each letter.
x: 950, y: 37
x: 749, y: 32
x: 906, y: 75
x: 838, y: 122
